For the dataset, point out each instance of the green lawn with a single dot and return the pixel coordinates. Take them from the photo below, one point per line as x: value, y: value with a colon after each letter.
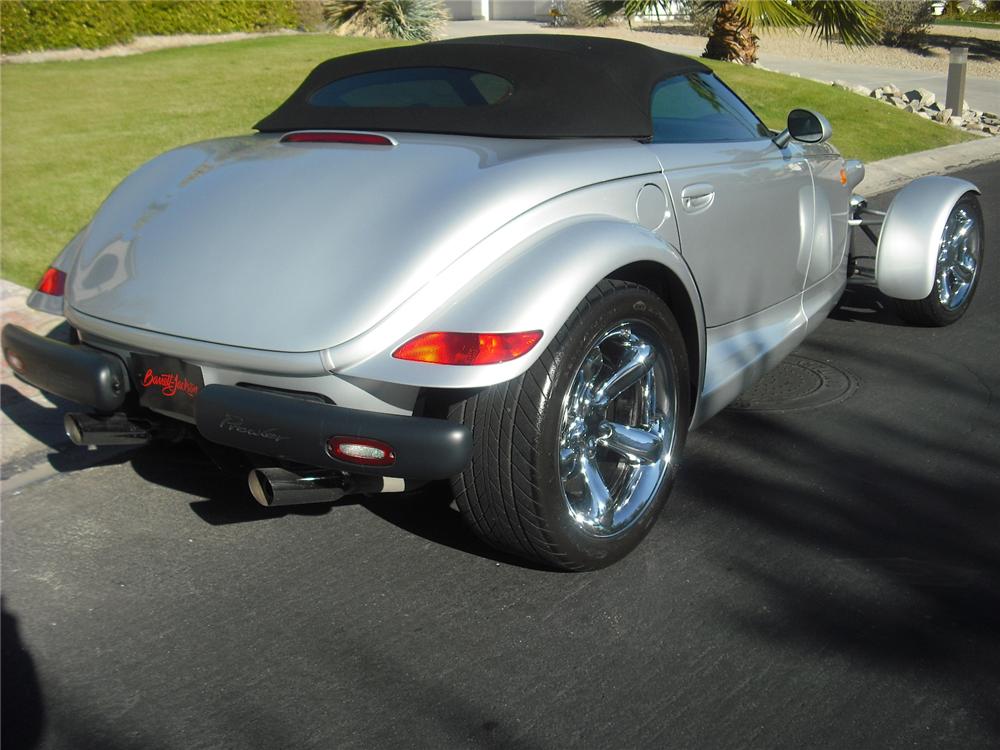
x: 73, y: 130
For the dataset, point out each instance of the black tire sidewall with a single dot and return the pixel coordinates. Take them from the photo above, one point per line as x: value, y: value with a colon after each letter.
x: 628, y: 303
x: 930, y: 310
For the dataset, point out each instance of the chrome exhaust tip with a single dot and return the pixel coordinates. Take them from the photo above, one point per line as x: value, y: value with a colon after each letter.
x: 272, y: 486
x: 115, y: 429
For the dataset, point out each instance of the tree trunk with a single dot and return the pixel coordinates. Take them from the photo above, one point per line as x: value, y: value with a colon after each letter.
x: 732, y: 38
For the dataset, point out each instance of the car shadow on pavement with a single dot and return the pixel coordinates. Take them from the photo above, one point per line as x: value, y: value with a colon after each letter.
x: 225, y: 500
x: 866, y: 304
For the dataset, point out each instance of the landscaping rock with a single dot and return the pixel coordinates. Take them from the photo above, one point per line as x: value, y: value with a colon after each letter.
x: 943, y: 116
x: 862, y: 90
x: 924, y: 114
x: 956, y: 122
x: 924, y: 97
x: 842, y: 85
x: 891, y: 89
x: 877, y: 93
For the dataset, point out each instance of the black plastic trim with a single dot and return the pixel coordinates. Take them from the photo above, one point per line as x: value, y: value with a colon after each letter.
x: 74, y: 372
x: 296, y: 430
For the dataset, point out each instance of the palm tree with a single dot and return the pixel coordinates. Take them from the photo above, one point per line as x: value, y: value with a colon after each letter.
x: 854, y: 22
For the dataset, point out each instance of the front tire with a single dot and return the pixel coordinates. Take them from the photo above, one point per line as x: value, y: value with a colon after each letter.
x: 957, y: 273
x: 573, y: 460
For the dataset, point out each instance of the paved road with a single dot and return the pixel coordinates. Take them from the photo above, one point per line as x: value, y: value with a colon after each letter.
x: 822, y: 578
x: 981, y: 93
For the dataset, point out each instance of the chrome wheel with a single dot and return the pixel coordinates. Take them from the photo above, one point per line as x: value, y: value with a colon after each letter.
x: 958, y: 258
x: 617, y: 429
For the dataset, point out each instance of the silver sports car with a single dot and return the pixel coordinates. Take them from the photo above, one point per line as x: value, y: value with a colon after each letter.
x: 527, y: 265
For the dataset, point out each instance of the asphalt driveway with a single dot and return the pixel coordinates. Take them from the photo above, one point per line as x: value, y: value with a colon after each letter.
x: 825, y: 575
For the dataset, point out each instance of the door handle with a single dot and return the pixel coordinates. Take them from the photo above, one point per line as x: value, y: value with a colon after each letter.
x: 695, y: 198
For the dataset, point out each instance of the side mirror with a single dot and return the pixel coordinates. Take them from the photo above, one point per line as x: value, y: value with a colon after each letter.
x: 804, y: 126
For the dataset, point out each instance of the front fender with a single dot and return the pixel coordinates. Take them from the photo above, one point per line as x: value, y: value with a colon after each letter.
x: 536, y: 287
x: 910, y: 240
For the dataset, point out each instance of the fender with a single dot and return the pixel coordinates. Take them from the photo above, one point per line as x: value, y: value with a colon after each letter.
x: 535, y: 287
x: 910, y: 240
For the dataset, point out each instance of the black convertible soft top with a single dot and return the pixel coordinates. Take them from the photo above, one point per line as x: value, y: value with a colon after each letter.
x: 562, y: 87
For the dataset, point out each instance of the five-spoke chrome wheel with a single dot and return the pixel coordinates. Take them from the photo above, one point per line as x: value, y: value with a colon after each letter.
x: 958, y: 259
x: 617, y: 429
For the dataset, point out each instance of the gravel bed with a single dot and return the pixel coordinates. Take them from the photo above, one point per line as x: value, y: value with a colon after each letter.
x: 984, y: 44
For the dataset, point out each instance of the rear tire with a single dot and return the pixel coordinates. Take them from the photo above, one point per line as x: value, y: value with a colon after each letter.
x: 571, y: 466
x: 958, y: 269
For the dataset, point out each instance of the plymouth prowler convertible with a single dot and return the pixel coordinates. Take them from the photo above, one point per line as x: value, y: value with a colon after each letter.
x: 524, y: 264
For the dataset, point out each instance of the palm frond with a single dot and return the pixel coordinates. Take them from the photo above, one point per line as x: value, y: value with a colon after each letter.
x: 604, y: 9
x: 772, y: 13
x: 854, y: 22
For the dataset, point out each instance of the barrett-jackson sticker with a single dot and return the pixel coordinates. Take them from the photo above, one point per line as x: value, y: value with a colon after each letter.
x: 167, y: 383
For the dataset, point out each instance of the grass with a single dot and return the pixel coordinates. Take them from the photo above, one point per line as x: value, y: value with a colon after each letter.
x: 73, y: 130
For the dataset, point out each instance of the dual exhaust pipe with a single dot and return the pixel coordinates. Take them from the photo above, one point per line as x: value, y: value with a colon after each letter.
x: 270, y: 487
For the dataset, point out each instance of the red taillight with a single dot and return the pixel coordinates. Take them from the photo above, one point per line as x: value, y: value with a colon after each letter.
x: 53, y: 282
x: 364, y: 451
x: 467, y: 348
x: 366, y: 139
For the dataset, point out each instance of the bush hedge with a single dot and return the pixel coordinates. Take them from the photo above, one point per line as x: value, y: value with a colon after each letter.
x: 28, y: 25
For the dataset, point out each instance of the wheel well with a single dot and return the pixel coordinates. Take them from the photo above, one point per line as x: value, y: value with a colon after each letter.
x: 665, y: 284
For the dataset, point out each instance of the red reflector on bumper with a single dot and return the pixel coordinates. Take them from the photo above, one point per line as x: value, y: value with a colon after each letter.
x: 444, y: 348
x: 53, y: 282
x: 363, y: 451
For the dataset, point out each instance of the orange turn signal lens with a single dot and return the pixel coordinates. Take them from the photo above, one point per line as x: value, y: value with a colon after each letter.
x: 449, y: 348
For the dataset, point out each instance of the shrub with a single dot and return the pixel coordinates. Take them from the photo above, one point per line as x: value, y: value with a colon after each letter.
x: 575, y: 14
x: 904, y: 23
x: 416, y: 20
x: 27, y: 25
x: 30, y: 25
x: 162, y: 17
x: 310, y: 14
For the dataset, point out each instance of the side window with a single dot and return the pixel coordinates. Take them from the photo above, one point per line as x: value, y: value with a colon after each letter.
x: 698, y: 108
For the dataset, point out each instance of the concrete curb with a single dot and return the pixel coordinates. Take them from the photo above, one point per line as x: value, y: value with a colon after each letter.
x: 889, y: 174
x: 31, y: 423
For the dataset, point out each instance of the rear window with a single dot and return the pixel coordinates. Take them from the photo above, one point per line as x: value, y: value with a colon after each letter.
x: 414, y: 87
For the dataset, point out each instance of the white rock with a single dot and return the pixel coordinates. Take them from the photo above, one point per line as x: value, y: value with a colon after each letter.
x: 890, y: 88
x: 943, y: 116
x: 991, y: 115
x: 861, y: 90
x: 795, y: 75
x: 956, y: 122
x: 924, y: 115
x: 842, y: 85
x: 876, y: 93
x: 912, y: 108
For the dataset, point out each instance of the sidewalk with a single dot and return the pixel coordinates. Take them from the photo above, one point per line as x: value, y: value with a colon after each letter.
x: 31, y: 422
x: 981, y: 93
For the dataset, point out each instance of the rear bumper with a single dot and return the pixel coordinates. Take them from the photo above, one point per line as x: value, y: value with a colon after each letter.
x: 76, y: 373
x: 267, y: 424
x: 297, y: 430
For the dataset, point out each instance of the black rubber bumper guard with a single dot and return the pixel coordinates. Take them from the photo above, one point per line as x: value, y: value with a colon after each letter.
x: 297, y: 430
x: 76, y: 373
